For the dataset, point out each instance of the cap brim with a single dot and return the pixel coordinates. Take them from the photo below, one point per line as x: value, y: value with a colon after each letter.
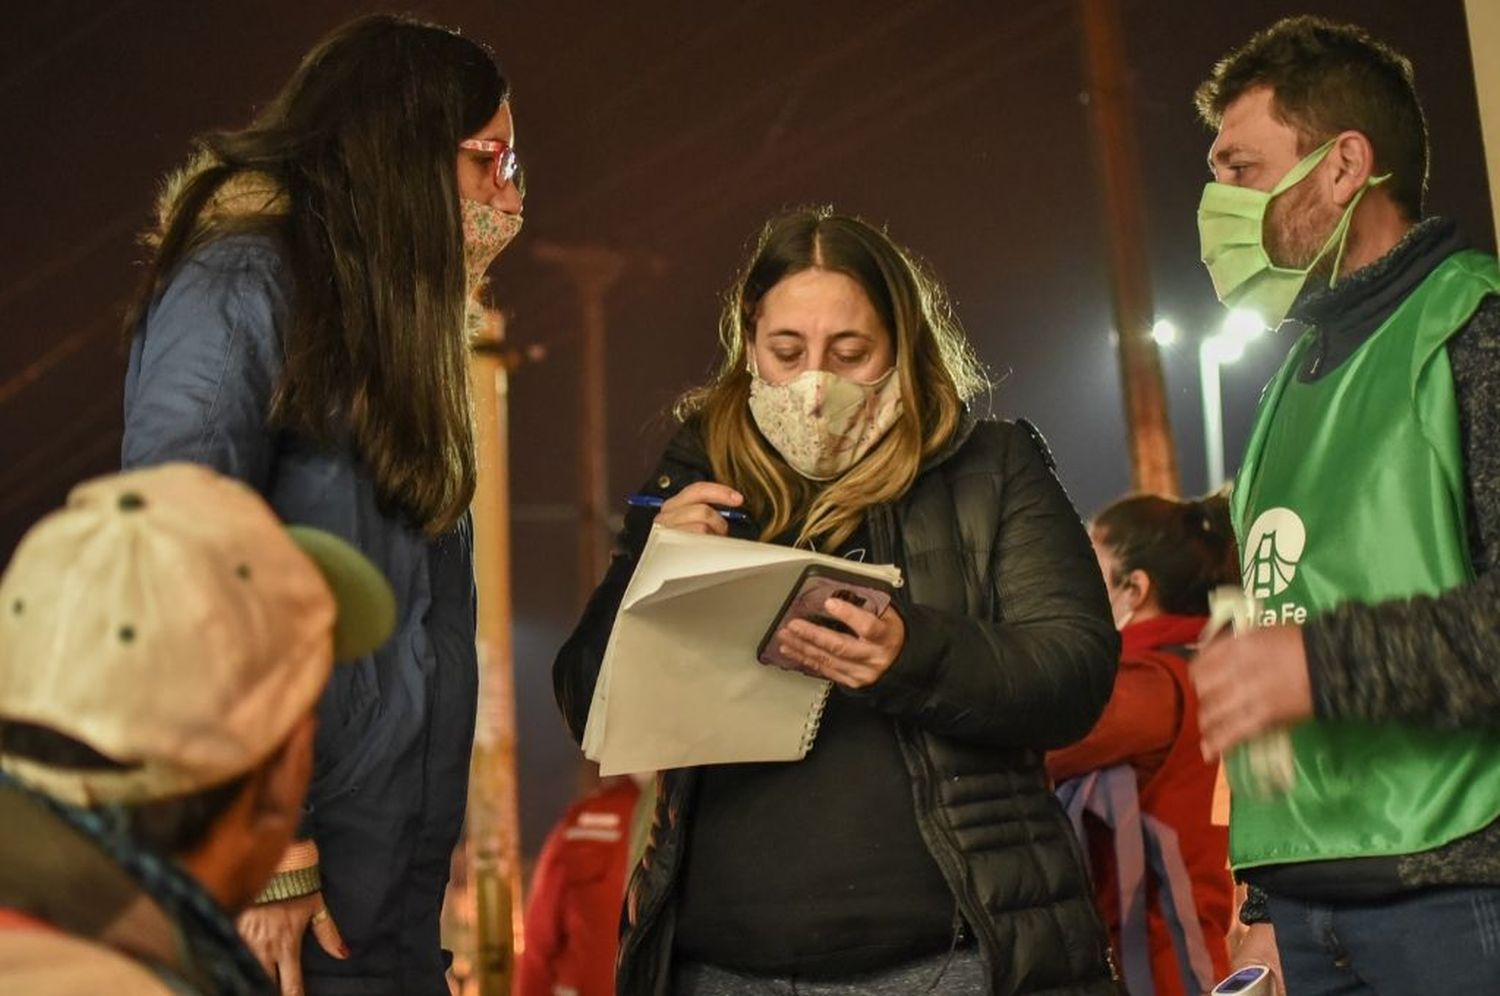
x: 366, y: 604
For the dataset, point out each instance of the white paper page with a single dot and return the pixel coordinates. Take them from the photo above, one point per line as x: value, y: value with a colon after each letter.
x: 683, y: 652
x: 688, y: 690
x: 675, y: 562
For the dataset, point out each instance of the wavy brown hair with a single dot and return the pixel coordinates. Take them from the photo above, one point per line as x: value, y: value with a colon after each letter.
x: 360, y: 148
x: 938, y: 370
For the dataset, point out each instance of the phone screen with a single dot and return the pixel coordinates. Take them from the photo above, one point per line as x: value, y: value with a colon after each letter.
x: 1241, y: 980
x: 818, y: 597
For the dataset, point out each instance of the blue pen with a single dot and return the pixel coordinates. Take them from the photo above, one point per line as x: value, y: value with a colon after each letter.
x: 654, y: 501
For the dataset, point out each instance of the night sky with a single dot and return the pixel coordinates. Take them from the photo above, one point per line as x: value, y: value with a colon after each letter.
x: 669, y: 131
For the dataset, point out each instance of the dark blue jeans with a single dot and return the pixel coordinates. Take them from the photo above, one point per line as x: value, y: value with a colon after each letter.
x: 1443, y: 942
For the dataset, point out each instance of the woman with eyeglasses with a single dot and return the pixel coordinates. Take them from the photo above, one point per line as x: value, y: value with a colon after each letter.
x: 303, y: 325
x: 917, y: 847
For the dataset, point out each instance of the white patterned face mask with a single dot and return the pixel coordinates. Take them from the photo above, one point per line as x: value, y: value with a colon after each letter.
x: 821, y: 423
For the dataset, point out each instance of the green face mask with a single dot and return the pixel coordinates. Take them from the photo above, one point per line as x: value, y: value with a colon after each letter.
x: 1231, y: 231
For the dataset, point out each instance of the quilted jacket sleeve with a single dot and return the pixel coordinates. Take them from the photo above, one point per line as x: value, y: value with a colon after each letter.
x: 576, y: 669
x: 1036, y: 673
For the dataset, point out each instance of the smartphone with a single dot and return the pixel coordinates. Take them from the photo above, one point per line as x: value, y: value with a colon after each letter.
x: 1252, y: 980
x: 816, y: 585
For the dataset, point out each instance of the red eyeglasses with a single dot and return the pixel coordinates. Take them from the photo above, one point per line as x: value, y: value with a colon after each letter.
x: 507, y: 167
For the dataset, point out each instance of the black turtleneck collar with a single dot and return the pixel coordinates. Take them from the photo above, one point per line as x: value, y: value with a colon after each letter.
x: 1343, y: 316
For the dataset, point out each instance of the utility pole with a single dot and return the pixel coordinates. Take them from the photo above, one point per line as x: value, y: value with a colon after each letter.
x: 593, y: 270
x: 494, y: 826
x: 1153, y: 459
x: 1484, y: 41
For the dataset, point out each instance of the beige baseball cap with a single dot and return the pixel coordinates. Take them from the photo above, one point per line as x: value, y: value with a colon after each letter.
x: 168, y: 620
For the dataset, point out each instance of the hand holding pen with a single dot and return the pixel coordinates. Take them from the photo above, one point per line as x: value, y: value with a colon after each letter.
x: 704, y: 507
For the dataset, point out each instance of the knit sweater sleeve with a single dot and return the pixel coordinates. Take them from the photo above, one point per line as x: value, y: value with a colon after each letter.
x: 1434, y: 661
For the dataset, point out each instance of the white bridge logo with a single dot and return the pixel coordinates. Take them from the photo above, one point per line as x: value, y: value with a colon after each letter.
x: 1272, y: 551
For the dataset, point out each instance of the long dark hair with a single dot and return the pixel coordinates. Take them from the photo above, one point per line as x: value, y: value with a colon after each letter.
x: 1186, y: 548
x: 938, y: 369
x: 360, y: 148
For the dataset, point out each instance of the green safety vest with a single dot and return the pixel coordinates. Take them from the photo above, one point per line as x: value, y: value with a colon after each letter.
x: 1352, y: 488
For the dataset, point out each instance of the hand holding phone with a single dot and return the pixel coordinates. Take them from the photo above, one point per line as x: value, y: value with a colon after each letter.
x: 808, y: 600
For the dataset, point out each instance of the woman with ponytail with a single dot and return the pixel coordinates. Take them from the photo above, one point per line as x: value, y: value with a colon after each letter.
x: 1160, y: 558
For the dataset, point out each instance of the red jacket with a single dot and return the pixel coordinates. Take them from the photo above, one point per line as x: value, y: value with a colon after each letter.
x: 1151, y: 723
x: 573, y: 915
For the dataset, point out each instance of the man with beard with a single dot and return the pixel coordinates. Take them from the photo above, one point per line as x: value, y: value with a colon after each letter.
x: 1368, y: 514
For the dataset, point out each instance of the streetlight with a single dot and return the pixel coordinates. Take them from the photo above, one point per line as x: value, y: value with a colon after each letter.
x: 1240, y: 327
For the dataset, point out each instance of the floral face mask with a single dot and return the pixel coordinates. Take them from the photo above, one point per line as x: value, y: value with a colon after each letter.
x: 487, y: 230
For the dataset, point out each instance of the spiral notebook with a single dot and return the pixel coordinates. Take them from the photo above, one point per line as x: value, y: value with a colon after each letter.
x: 680, y: 685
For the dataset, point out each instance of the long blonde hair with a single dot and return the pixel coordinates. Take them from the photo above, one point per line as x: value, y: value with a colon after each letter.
x: 937, y: 368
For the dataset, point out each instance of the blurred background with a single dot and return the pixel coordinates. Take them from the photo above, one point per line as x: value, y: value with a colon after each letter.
x: 661, y: 133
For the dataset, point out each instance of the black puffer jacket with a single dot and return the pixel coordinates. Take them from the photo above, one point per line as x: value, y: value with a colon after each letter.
x: 1010, y: 652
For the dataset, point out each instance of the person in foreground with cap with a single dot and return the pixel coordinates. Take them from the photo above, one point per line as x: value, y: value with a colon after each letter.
x: 163, y: 643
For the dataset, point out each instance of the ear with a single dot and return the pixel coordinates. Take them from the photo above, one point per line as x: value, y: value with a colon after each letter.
x: 1353, y: 163
x: 1139, y: 582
